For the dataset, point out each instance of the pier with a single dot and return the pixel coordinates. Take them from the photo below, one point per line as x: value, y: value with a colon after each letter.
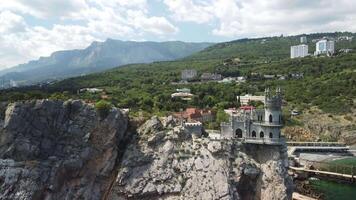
x: 327, y: 174
x: 298, y: 147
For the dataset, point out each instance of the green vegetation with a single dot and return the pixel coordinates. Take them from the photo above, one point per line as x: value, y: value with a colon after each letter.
x: 103, y: 108
x: 333, y: 190
x: 328, y: 83
x: 342, y: 166
x: 346, y: 161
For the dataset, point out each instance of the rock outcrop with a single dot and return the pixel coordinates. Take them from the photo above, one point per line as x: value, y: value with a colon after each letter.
x: 318, y: 126
x: 65, y: 150
x: 169, y: 164
x: 58, y: 150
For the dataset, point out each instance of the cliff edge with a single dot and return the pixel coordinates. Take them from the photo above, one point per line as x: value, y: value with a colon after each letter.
x: 166, y: 161
x: 66, y: 150
x: 58, y: 150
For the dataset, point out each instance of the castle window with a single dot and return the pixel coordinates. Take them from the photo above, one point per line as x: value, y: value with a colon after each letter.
x: 262, y: 134
x: 270, y: 119
x: 253, y: 133
x: 238, y: 133
x: 270, y: 135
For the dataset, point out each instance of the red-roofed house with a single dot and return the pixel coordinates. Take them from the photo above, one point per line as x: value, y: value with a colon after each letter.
x: 195, y: 114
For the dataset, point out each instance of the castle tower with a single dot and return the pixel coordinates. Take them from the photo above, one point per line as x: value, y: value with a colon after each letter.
x: 273, y: 107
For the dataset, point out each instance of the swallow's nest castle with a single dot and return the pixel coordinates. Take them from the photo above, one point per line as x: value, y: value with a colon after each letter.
x: 257, y: 126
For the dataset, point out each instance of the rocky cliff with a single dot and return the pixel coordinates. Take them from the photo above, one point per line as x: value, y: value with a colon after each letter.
x: 65, y: 150
x: 165, y: 162
x: 319, y: 126
x: 56, y: 150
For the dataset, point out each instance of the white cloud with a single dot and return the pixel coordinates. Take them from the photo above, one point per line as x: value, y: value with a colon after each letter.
x: 43, y: 8
x: 241, y: 18
x: 90, y: 20
x: 10, y: 22
x: 76, y: 23
x: 191, y: 11
x: 156, y: 25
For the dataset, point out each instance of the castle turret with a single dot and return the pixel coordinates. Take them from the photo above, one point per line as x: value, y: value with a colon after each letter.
x: 273, y: 107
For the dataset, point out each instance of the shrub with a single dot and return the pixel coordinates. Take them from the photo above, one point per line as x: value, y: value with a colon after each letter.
x: 103, y: 107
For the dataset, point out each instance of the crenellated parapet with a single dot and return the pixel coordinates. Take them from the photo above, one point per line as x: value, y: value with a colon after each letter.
x: 273, y: 100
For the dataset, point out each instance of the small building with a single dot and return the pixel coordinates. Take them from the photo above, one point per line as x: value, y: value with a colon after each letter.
x: 189, y: 74
x: 184, y: 90
x: 241, y: 79
x: 296, y: 75
x: 299, y: 51
x: 294, y: 112
x: 345, y: 50
x: 91, y: 90
x: 195, y: 114
x: 303, y: 40
x: 245, y: 100
x: 210, y: 77
x: 231, y: 111
x: 182, y: 95
x: 228, y: 80
x: 281, y: 77
x: 269, y: 76
x: 345, y: 37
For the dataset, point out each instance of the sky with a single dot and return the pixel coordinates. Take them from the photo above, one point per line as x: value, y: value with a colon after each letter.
x: 30, y: 29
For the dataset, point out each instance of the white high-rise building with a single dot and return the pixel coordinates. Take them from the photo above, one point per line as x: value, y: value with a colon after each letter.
x: 303, y: 39
x: 325, y: 46
x: 299, y: 51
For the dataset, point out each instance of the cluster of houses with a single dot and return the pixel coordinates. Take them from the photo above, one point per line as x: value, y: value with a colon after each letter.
x: 191, y: 75
x: 257, y: 76
x: 323, y: 46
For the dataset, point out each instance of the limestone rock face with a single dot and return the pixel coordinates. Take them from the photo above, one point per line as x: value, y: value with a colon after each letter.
x: 65, y: 150
x: 165, y: 163
x: 58, y: 150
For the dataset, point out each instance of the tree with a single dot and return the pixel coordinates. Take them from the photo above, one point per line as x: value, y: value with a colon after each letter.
x: 221, y: 116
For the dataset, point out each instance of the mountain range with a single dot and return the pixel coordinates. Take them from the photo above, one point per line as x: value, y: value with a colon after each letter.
x: 97, y: 57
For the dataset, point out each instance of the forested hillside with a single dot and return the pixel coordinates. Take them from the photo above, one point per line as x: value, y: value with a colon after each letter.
x: 326, y: 82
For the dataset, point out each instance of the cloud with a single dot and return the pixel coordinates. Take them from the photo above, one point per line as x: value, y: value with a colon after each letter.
x: 248, y: 18
x: 10, y: 22
x: 30, y: 29
x: 190, y: 11
x: 76, y: 24
x: 156, y: 25
x: 44, y: 9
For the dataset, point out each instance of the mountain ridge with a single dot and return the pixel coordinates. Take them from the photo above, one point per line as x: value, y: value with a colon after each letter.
x: 99, y: 56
